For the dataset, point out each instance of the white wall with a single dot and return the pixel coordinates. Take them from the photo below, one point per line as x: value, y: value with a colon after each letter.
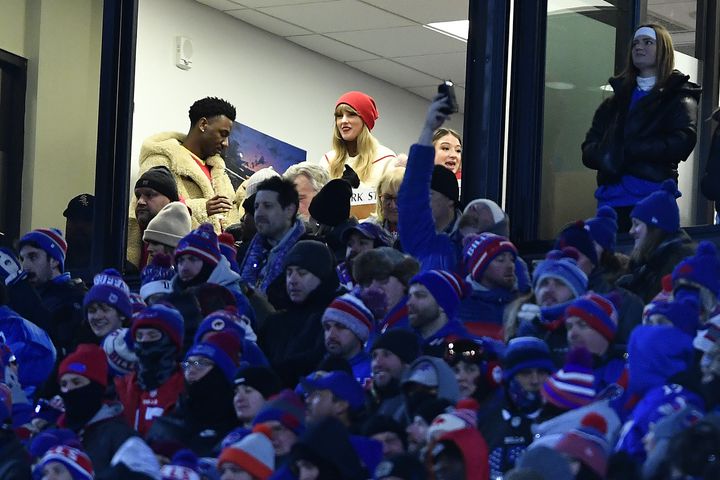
x: 277, y: 87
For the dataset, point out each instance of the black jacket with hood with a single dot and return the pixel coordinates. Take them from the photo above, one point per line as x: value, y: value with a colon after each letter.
x: 647, y: 141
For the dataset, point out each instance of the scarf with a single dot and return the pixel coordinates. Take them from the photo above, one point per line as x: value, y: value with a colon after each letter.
x: 262, y: 264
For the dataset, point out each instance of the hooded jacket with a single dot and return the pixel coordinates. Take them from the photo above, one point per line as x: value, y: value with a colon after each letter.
x: 293, y: 339
x: 328, y: 443
x: 647, y: 141
x: 474, y: 451
x: 193, y: 186
x: 447, y: 387
x: 104, y: 434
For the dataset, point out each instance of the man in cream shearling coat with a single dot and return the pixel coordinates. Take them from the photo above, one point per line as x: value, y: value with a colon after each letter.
x: 195, y: 162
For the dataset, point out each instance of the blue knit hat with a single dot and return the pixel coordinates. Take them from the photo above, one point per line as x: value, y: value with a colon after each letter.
x: 342, y: 385
x: 109, y: 288
x: 50, y: 240
x: 446, y: 287
x: 226, y: 242
x: 660, y: 208
x: 526, y: 352
x: 201, y: 242
x: 603, y: 228
x: 157, y: 276
x: 219, y: 321
x: 164, y: 318
x: 223, y: 349
x: 577, y: 235
x: 683, y: 313
x: 287, y: 408
x: 700, y: 270
x: 481, y: 250
x: 561, y: 267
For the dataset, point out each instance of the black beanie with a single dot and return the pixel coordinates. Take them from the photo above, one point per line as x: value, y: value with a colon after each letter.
x: 331, y: 205
x: 444, y: 181
x: 161, y: 180
x: 403, y: 343
x: 261, y: 378
x: 384, y: 423
x: 313, y: 256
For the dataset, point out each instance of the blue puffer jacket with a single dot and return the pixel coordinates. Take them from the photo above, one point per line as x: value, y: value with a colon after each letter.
x: 433, y: 250
x: 31, y: 345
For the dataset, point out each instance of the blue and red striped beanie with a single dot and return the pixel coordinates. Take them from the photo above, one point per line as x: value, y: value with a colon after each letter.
x: 597, y: 311
x: 50, y: 240
x: 482, y: 249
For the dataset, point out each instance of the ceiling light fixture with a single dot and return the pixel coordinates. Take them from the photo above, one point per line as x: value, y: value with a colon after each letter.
x: 457, y: 29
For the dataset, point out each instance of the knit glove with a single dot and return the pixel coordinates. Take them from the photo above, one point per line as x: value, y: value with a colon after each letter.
x: 10, y: 270
x: 529, y: 312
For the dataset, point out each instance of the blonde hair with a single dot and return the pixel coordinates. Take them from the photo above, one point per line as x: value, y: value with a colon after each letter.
x: 389, y: 182
x: 665, y: 59
x: 366, y: 147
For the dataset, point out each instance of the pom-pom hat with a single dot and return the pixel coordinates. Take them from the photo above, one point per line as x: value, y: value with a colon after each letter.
x: 254, y: 454
x: 573, y: 385
x: 660, y: 208
x: 77, y: 462
x: 597, y: 311
x: 603, y: 228
x: 88, y: 360
x: 447, y: 288
x: 164, y: 318
x: 349, y: 311
x: 50, y: 240
x: 481, y: 250
x: 201, y: 242
x: 110, y: 289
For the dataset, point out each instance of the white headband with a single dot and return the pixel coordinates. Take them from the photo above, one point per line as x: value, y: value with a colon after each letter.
x: 647, y: 31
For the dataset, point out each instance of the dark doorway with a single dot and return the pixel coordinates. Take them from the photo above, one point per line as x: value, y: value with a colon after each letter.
x: 13, y: 78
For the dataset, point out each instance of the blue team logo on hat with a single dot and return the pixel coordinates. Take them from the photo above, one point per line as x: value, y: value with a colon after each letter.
x: 218, y: 325
x: 113, y: 298
x: 77, y: 367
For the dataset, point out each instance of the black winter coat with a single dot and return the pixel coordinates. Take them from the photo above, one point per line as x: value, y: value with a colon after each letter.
x: 293, y: 339
x: 648, y: 141
x: 646, y: 280
x: 710, y: 183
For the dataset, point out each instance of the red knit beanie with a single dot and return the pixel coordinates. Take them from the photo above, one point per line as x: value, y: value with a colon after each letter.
x: 363, y: 104
x: 88, y: 360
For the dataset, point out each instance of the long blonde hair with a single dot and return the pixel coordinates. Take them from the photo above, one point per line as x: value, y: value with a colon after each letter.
x: 366, y: 147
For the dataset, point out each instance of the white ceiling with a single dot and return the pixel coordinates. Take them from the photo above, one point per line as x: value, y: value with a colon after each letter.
x: 383, y: 38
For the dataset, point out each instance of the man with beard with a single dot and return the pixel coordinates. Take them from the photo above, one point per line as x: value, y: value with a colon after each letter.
x: 40, y: 291
x: 557, y: 280
x: 391, y: 354
x: 83, y: 377
x: 278, y: 229
x: 433, y: 302
x: 152, y: 390
x: 490, y: 261
x: 195, y: 162
x: 205, y: 413
x: 153, y: 190
x: 347, y: 324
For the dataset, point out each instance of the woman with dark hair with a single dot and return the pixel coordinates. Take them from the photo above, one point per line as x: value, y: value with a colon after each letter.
x: 448, y: 149
x: 660, y: 243
x: 640, y: 134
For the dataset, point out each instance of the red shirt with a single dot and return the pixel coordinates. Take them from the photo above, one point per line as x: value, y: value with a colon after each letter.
x: 141, y: 408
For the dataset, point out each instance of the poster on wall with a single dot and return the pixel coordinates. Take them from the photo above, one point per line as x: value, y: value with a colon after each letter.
x: 250, y: 150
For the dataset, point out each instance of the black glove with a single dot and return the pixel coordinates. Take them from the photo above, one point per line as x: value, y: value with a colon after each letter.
x: 351, y: 177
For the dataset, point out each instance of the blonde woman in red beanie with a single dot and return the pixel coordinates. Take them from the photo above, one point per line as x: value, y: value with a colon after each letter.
x: 353, y: 144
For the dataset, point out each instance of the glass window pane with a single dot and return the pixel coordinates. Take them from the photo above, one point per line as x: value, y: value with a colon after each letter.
x: 579, y: 60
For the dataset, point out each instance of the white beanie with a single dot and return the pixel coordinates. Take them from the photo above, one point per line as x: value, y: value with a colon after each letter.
x: 170, y: 225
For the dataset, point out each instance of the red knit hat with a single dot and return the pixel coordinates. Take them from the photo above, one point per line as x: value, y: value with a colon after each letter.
x: 88, y: 360
x: 363, y: 104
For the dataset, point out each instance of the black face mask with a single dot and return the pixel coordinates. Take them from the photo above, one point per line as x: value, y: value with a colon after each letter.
x: 81, y: 404
x: 210, y: 399
x: 157, y: 361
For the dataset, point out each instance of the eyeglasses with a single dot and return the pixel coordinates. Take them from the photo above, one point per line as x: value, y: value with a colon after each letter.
x: 202, y: 363
x: 389, y: 198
